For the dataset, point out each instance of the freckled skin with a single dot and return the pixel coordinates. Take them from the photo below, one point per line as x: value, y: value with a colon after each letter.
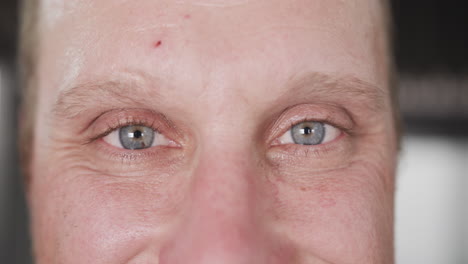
x: 222, y: 193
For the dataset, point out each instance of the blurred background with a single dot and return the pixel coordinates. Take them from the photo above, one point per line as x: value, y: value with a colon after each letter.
x: 431, y: 48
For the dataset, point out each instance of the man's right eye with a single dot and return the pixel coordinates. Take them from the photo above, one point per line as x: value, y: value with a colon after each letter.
x: 136, y: 137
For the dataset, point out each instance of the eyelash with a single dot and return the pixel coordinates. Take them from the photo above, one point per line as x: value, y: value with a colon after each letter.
x: 324, y: 121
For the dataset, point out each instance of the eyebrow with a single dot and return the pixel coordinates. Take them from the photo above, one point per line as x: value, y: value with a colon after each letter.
x: 347, y: 88
x: 318, y: 86
x: 74, y: 101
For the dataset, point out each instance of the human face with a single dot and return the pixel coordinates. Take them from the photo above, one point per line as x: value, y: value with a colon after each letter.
x: 206, y: 93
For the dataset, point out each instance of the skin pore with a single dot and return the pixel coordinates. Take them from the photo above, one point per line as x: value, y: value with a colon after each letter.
x: 221, y: 83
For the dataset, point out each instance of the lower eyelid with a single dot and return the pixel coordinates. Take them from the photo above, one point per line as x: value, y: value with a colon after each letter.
x: 105, y: 156
x: 335, y: 150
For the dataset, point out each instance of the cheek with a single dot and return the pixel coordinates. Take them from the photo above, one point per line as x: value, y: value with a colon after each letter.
x: 102, y: 219
x: 345, y: 214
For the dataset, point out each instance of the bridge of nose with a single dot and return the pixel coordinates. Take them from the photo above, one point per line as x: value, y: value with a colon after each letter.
x: 221, y: 223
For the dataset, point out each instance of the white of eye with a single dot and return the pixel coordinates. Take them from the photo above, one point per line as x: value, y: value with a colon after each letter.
x: 303, y: 134
x: 125, y: 138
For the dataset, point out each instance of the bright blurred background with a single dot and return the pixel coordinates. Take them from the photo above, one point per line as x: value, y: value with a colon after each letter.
x: 431, y: 48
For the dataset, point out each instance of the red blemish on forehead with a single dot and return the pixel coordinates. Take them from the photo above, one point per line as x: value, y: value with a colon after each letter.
x: 187, y: 16
x: 157, y: 44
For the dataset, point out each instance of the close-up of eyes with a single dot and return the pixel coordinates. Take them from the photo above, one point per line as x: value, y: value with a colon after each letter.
x: 135, y: 137
x: 138, y: 137
x: 310, y: 133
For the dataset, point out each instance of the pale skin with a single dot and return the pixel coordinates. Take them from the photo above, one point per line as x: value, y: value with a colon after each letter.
x: 221, y: 82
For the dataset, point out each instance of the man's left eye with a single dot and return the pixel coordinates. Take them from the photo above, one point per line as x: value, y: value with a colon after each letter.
x: 310, y: 133
x: 136, y: 137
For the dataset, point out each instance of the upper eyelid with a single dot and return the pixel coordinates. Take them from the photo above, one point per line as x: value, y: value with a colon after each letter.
x: 102, y: 113
x: 327, y: 122
x: 112, y: 120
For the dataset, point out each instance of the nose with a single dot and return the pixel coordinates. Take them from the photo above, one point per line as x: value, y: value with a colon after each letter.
x: 223, y: 220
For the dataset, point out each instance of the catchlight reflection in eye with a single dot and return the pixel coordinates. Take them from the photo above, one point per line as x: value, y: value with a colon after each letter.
x: 136, y: 137
x: 310, y: 133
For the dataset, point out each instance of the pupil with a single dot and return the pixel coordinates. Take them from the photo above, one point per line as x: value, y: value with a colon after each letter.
x: 137, y: 134
x: 307, y: 130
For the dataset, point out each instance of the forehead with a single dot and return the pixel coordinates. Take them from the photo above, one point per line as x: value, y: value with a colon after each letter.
x: 208, y: 41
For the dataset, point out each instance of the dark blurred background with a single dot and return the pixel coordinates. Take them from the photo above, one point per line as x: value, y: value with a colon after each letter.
x: 431, y: 48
